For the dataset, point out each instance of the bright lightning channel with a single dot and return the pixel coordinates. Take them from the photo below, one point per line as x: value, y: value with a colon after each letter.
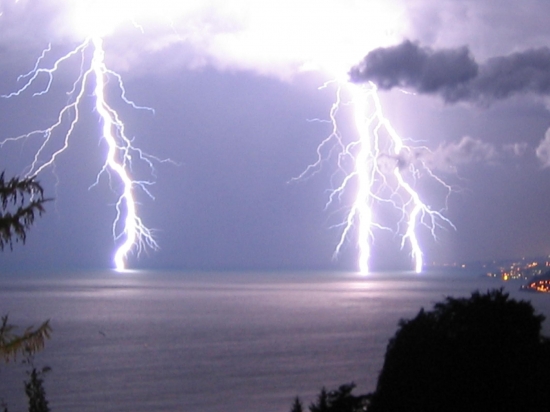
x: 133, y: 235
x: 379, y: 166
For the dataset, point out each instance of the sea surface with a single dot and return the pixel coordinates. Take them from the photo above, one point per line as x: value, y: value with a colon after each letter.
x: 232, y: 342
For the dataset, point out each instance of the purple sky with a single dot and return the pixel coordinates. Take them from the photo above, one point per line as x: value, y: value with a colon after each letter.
x: 235, y: 87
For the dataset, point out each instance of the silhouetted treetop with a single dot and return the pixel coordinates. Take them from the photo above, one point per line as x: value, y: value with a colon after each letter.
x: 297, y: 405
x: 27, y: 343
x: 339, y: 400
x: 20, y: 201
x: 482, y: 353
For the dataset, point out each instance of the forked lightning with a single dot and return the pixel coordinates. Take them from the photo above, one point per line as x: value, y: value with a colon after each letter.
x: 381, y: 174
x: 128, y: 229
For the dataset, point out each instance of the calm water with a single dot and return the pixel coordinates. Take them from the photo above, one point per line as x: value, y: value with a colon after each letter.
x: 151, y: 341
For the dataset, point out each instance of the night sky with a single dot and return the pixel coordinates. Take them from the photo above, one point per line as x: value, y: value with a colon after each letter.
x: 239, y: 109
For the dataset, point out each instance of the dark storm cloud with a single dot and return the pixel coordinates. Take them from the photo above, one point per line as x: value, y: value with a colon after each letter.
x: 421, y: 68
x: 454, y: 74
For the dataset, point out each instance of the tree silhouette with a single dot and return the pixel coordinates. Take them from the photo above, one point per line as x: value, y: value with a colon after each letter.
x: 26, y: 196
x: 34, y: 389
x: 20, y: 201
x: 297, y: 405
x: 482, y: 353
x: 322, y: 402
x: 27, y: 343
x: 339, y: 400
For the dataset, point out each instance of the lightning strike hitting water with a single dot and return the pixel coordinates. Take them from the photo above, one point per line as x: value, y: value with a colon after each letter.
x: 378, y: 175
x: 127, y: 227
x: 376, y: 166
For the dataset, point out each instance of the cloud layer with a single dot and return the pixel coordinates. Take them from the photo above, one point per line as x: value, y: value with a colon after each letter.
x: 453, y: 73
x: 276, y: 39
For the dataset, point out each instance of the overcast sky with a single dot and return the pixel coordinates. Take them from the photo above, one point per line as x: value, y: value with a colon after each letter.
x: 239, y: 108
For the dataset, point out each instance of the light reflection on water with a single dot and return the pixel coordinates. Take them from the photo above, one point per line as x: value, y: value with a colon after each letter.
x: 145, y: 340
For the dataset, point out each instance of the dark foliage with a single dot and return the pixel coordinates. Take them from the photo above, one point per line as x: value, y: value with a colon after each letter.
x: 26, y: 344
x: 34, y: 389
x: 297, y: 405
x: 482, y: 353
x: 20, y: 201
x: 339, y: 400
x: 322, y: 404
x: 29, y: 342
x: 26, y: 198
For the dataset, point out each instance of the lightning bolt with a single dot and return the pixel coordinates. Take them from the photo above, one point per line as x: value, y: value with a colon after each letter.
x: 379, y: 175
x: 128, y: 229
x: 376, y: 166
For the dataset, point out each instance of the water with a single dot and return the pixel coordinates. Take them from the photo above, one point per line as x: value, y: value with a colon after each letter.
x: 151, y: 341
